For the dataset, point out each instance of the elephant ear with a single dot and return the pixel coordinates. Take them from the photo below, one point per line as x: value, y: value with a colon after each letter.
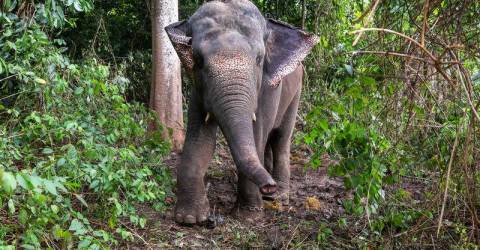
x: 287, y: 46
x: 177, y: 32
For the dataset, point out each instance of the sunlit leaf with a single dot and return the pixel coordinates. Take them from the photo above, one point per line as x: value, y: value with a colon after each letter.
x: 8, y: 181
x: 47, y: 151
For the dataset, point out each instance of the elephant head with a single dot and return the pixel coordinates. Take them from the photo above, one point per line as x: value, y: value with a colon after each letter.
x: 231, y: 51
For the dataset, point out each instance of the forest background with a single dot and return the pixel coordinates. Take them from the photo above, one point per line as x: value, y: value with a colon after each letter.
x: 390, y: 98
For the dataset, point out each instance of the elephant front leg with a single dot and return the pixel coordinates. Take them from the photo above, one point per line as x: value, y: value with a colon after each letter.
x: 249, y: 205
x: 192, y: 204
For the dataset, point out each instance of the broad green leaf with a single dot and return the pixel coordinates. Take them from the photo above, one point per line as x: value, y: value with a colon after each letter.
x: 11, y: 45
x: 54, y: 208
x: 11, y: 206
x: 61, y: 162
x: 84, y: 244
x: 323, y: 124
x: 47, y: 151
x: 28, y: 247
x: 50, y: 187
x: 24, y: 181
x: 35, y: 180
x: 23, y: 216
x: 3, y: 68
x: 78, y: 91
x: 77, y: 227
x: 40, y: 81
x: 349, y: 69
x: 77, y: 6
x: 9, y: 184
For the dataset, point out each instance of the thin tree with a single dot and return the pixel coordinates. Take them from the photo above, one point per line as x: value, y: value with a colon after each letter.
x: 304, y: 13
x: 166, y: 91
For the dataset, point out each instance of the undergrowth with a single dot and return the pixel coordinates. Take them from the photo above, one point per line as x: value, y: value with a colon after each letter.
x: 75, y: 157
x: 382, y: 123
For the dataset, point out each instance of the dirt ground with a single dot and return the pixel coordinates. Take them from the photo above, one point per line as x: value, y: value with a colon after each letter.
x: 314, y: 199
x: 314, y: 219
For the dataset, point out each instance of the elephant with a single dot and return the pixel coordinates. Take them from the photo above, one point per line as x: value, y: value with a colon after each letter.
x: 247, y: 75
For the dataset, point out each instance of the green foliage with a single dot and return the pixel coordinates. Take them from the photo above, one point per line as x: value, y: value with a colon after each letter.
x: 360, y: 152
x: 117, y: 33
x: 324, y: 232
x: 375, y: 119
x: 75, y: 157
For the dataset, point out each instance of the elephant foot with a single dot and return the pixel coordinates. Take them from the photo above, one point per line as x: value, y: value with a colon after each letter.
x: 250, y: 214
x: 282, y: 195
x: 282, y: 198
x: 191, y: 210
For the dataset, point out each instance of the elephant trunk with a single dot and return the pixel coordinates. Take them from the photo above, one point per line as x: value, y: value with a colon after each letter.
x: 234, y: 113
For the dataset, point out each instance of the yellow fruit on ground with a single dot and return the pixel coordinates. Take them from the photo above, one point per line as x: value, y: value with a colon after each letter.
x: 312, y: 203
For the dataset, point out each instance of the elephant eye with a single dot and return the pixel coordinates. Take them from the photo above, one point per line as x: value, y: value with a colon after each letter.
x: 259, y: 60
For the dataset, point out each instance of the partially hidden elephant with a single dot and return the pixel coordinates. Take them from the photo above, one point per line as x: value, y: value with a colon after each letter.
x: 247, y: 76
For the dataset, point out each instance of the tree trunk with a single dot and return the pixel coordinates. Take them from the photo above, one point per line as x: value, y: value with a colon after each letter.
x: 166, y: 90
x: 264, y: 7
x: 277, y: 11
x: 304, y: 13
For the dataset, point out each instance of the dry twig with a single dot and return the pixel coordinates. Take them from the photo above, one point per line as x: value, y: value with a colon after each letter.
x: 369, y: 19
x: 447, y: 181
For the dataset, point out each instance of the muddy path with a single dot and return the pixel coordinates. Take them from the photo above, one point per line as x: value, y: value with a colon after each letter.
x: 314, y: 200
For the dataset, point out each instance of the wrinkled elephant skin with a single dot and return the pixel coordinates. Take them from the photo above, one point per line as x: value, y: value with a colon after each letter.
x: 247, y: 78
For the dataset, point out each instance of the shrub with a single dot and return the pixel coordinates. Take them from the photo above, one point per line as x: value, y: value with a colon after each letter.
x: 75, y: 157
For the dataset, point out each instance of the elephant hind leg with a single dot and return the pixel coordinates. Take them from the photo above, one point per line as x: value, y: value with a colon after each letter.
x: 268, y: 158
x: 277, y: 163
x: 249, y: 205
x: 280, y: 143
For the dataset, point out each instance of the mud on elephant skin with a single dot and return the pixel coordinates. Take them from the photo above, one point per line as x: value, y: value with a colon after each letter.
x: 247, y: 78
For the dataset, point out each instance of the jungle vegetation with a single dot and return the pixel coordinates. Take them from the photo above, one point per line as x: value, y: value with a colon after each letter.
x: 391, y: 98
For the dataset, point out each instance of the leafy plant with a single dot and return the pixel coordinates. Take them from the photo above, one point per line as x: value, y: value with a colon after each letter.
x: 324, y: 232
x: 359, y: 152
x: 75, y: 157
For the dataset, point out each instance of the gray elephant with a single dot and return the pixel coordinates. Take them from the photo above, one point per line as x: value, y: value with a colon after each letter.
x: 247, y: 77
